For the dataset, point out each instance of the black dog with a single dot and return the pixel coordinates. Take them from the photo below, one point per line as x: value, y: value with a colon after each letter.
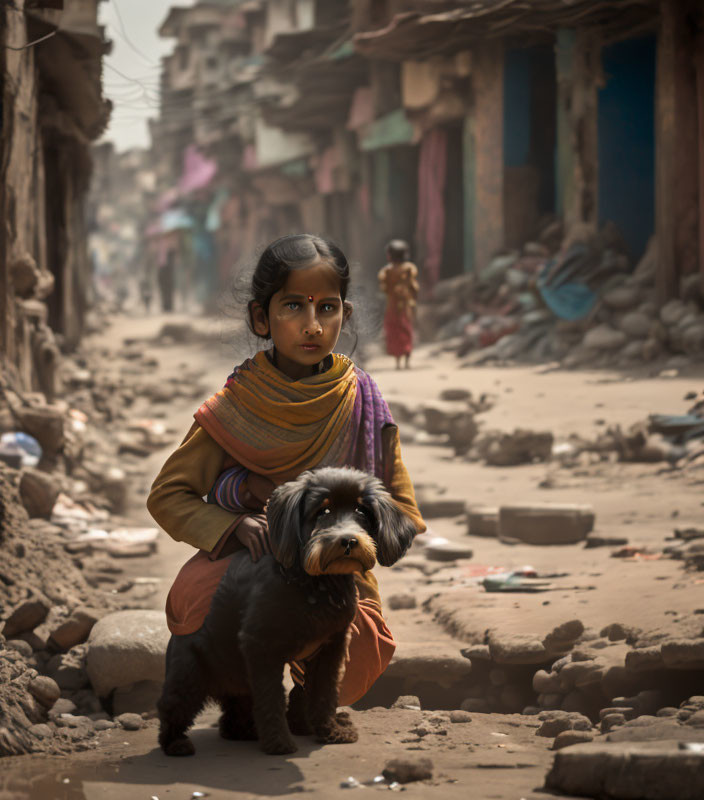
x: 323, y: 527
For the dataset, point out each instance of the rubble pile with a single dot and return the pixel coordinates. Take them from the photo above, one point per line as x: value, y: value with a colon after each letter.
x: 63, y: 542
x: 577, y: 300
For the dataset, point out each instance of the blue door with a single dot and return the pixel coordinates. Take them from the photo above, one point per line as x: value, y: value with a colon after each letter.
x: 627, y: 141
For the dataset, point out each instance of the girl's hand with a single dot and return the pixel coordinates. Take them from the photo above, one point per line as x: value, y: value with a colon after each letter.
x: 253, y: 533
x: 256, y: 491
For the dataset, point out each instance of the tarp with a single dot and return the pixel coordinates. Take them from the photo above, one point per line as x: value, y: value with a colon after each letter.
x: 388, y: 131
x: 198, y: 171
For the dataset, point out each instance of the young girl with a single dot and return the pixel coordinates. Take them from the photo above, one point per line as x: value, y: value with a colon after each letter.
x: 399, y: 282
x: 293, y: 407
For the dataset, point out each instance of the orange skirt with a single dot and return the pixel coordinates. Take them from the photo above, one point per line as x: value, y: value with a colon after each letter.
x: 371, y: 644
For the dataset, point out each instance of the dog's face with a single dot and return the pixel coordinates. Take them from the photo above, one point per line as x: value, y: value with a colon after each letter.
x: 333, y: 521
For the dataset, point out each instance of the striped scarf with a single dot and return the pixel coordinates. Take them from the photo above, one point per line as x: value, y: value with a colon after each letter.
x: 277, y: 427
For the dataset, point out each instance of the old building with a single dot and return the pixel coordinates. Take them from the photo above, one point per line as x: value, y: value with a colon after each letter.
x: 52, y: 110
x: 462, y: 127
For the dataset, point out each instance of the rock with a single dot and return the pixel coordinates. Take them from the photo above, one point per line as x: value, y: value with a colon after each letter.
x: 75, y: 629
x: 62, y: 706
x: 673, y: 312
x: 657, y: 771
x: 439, y: 415
x: 554, y: 722
x: 546, y: 682
x: 126, y: 647
x: 628, y: 712
x: 477, y: 705
x: 136, y: 698
x: 683, y: 654
x: 22, y: 647
x: 25, y: 275
x: 401, y: 601
x: 516, y: 648
x: 604, y: 338
x: 581, y: 673
x: 604, y: 541
x: 644, y: 659
x: 407, y: 701
x: 46, y: 423
x: 636, y: 325
x: 406, y: 770
x: 26, y: 616
x: 41, y: 730
x: 612, y: 720
x: 546, y: 523
x: 522, y: 446
x: 460, y: 716
x: 447, y: 551
x: 562, y: 638
x: 454, y: 395
x: 420, y: 661
x: 38, y: 492
x: 568, y: 738
x: 104, y: 725
x: 45, y: 689
x: 435, y: 507
x: 633, y: 351
x: 477, y: 652
x: 696, y: 720
x: 483, y: 521
x: 462, y: 432
x: 667, y: 711
x: 621, y: 298
x: 130, y: 722
x: 73, y: 721
x: 693, y: 339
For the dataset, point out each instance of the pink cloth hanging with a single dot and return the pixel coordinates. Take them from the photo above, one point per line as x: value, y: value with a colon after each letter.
x: 432, y: 168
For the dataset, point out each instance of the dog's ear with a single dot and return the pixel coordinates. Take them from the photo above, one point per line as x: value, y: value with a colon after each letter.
x: 284, y: 513
x: 394, y: 530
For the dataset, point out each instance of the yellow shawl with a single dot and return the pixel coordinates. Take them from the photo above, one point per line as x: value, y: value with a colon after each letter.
x: 279, y: 427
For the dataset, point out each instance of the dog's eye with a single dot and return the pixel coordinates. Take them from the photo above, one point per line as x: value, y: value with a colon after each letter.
x: 323, y: 511
x: 361, y: 510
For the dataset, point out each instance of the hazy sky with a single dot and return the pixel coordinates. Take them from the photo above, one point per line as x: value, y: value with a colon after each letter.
x: 131, y: 70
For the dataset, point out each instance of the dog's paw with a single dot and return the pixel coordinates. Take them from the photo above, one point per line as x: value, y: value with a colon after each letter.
x: 278, y: 746
x: 336, y: 733
x: 343, y: 718
x: 179, y: 747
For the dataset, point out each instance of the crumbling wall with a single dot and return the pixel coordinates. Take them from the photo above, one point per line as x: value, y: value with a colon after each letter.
x: 44, y: 173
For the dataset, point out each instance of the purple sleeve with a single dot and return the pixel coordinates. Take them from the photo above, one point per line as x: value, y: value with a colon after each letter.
x: 226, y: 489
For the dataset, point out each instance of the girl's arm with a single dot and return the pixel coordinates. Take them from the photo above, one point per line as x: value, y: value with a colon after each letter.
x: 396, y: 478
x: 176, y: 497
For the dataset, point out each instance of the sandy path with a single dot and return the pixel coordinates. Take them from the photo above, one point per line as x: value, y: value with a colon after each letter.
x: 471, y: 761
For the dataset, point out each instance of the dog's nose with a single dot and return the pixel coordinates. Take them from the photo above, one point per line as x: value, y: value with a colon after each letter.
x: 348, y: 542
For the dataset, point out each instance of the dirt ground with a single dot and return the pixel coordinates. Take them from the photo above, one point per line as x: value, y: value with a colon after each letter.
x: 494, y: 755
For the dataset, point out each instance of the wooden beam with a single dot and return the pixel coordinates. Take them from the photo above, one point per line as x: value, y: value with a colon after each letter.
x: 578, y: 71
x: 699, y: 64
x: 484, y: 155
x: 676, y: 156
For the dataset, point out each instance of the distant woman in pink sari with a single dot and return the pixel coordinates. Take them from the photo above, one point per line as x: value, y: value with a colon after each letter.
x: 399, y: 282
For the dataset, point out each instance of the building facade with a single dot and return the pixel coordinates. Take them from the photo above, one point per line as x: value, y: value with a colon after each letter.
x: 52, y: 110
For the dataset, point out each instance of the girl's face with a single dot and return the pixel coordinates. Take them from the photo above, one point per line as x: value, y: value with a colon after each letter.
x: 304, y: 320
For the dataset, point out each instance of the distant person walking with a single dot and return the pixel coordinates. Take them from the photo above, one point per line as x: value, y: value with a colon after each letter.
x: 399, y: 282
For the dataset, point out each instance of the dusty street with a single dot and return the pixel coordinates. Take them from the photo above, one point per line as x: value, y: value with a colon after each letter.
x: 483, y: 754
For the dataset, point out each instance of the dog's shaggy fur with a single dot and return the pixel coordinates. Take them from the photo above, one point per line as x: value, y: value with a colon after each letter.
x: 323, y: 527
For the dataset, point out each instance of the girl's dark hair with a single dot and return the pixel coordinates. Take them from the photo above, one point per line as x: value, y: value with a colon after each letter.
x: 398, y: 250
x: 281, y: 257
